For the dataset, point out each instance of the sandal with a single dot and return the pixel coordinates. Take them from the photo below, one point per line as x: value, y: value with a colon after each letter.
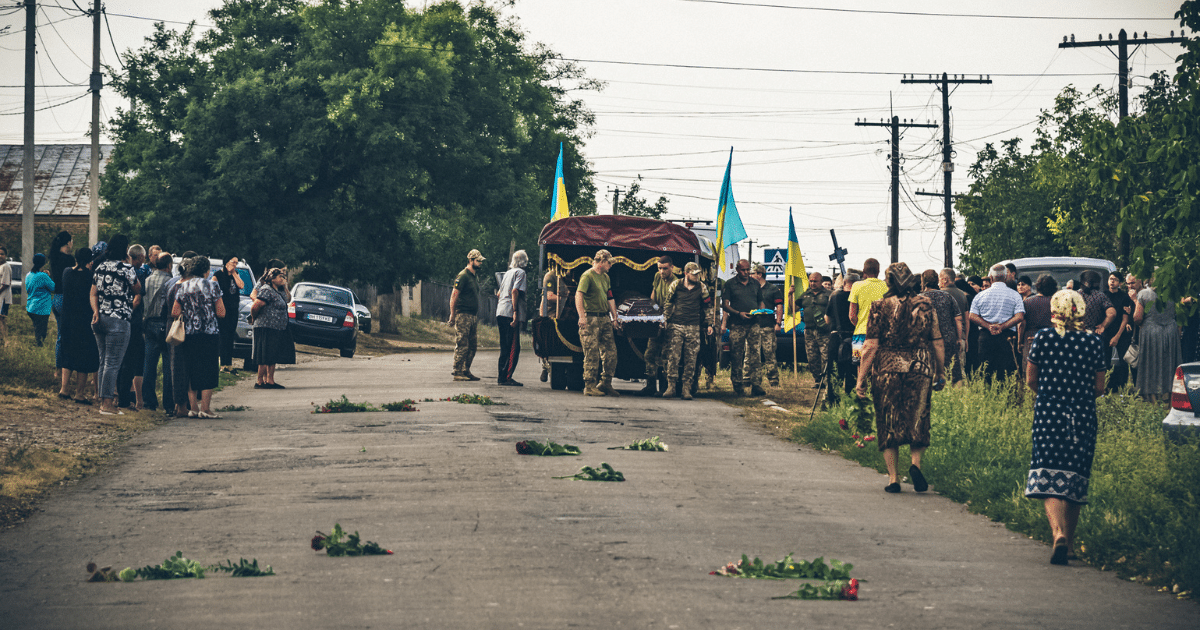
x: 1059, y: 556
x: 83, y: 401
x: 918, y: 480
x: 892, y: 488
x: 208, y: 415
x: 64, y: 396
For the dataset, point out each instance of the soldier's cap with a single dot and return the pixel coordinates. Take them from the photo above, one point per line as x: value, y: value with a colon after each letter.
x: 759, y: 268
x: 691, y: 267
x: 475, y: 255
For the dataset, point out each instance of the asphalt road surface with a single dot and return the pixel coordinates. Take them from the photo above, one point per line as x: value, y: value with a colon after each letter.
x: 485, y: 538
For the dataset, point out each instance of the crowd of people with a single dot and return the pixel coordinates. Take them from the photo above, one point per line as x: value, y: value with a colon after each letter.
x: 125, y: 313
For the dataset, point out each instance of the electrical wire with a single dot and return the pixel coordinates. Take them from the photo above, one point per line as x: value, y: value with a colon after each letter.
x: 804, y: 71
x: 918, y: 13
x: 111, y: 39
x: 42, y: 109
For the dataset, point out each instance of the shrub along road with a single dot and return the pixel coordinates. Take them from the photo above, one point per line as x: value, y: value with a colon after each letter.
x: 484, y: 537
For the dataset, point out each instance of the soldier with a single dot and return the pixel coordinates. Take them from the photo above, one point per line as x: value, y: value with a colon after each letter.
x: 655, y: 361
x: 742, y: 295
x: 464, y: 316
x: 815, y: 302
x: 687, y: 306
x: 769, y: 325
x: 597, y: 318
x: 550, y: 291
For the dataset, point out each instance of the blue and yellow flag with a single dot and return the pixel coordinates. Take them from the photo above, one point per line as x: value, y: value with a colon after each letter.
x: 558, y: 196
x: 794, y: 277
x: 729, y: 225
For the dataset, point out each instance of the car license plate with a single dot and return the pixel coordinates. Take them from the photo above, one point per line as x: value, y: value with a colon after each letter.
x: 320, y: 318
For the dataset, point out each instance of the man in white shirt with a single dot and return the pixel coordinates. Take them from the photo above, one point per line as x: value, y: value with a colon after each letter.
x: 5, y: 293
x: 510, y: 313
x: 997, y: 311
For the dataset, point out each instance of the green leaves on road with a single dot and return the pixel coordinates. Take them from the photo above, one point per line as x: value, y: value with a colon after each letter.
x: 604, y: 473
x: 549, y: 449
x: 351, y: 546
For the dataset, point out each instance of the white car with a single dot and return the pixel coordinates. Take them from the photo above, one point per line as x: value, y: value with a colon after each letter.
x: 1182, y: 420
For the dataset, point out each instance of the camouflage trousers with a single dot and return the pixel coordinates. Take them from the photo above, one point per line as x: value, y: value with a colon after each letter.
x: 682, y: 351
x: 466, y: 340
x: 816, y: 346
x: 766, y: 347
x: 654, y: 354
x: 744, y: 354
x: 599, y: 348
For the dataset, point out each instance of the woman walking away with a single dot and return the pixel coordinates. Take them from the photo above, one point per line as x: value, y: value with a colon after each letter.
x: 62, y: 257
x: 39, y: 290
x: 904, y: 358
x: 1066, y: 370
x: 272, y: 340
x: 80, y: 356
x: 231, y: 284
x: 1159, y: 350
x: 114, y: 285
x: 198, y: 303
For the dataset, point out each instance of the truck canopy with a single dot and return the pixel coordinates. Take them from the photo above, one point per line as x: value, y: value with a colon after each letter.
x: 624, y: 232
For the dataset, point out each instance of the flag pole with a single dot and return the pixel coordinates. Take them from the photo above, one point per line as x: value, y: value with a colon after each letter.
x: 795, y: 357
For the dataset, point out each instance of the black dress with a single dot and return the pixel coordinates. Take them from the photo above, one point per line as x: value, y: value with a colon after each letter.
x: 1064, y: 416
x: 79, y: 350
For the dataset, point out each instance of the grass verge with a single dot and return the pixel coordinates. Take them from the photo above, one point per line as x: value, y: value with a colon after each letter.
x: 1144, y: 513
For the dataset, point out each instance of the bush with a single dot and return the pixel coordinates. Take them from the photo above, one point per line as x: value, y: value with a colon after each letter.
x: 1143, y: 516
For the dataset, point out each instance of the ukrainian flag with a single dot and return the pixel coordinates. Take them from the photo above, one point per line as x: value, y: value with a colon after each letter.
x: 794, y: 277
x: 729, y: 224
x: 558, y: 197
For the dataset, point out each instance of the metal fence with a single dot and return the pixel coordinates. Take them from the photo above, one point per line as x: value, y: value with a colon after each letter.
x: 435, y: 303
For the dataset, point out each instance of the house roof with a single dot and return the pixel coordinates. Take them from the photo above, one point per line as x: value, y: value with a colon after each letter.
x: 61, y: 178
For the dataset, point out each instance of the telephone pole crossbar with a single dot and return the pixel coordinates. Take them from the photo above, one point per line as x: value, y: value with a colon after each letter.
x: 895, y: 125
x: 943, y: 82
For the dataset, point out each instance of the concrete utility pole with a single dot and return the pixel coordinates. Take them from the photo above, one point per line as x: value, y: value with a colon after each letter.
x: 27, y: 177
x: 616, y: 191
x: 1122, y: 44
x: 97, y: 82
x: 947, y: 150
x: 895, y: 124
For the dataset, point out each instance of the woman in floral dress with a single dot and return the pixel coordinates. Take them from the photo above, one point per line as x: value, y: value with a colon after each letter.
x: 1066, y: 369
x: 904, y: 357
x: 198, y: 303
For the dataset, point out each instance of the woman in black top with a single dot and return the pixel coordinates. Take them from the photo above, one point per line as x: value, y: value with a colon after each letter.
x: 62, y: 257
x: 1119, y: 333
x: 231, y: 295
x: 80, y: 355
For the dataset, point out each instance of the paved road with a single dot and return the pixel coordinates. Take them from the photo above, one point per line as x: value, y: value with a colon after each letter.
x: 484, y: 538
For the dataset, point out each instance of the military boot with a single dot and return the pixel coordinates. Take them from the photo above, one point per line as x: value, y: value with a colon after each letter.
x: 606, y: 387
x: 651, y: 387
x: 757, y: 390
x: 669, y: 391
x: 739, y: 390
x: 590, y: 389
x: 688, y: 390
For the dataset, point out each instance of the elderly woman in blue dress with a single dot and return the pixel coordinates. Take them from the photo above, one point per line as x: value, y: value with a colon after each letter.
x: 1066, y: 368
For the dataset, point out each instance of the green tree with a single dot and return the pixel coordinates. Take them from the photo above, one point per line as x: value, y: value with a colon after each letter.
x: 362, y: 139
x: 633, y: 205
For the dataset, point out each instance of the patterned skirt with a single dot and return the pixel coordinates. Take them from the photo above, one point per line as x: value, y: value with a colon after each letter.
x: 1064, y: 443
x: 902, y: 408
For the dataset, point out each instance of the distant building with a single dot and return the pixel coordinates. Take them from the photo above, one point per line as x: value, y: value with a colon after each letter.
x: 61, y: 190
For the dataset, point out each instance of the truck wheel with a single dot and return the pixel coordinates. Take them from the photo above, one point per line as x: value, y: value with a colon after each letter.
x: 558, y: 376
x: 575, y: 377
x: 348, y: 353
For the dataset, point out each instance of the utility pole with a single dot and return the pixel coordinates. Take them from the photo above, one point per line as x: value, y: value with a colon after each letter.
x: 947, y: 150
x: 616, y: 191
x: 895, y: 124
x: 1122, y: 44
x: 750, y: 252
x: 27, y: 178
x: 97, y: 82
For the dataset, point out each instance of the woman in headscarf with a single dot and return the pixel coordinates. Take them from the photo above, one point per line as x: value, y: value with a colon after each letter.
x: 1066, y: 369
x: 904, y: 357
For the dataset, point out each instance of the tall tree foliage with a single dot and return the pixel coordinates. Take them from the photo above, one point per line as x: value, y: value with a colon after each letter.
x: 634, y: 205
x: 363, y: 139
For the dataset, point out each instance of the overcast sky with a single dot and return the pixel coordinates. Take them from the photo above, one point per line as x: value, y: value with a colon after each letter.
x: 782, y: 83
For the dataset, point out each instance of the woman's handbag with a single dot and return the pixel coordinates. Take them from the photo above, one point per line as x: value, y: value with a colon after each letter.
x: 1132, y: 355
x: 176, y: 334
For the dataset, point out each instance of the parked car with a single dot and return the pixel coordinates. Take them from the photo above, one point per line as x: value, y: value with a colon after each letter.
x: 1062, y: 268
x: 363, y: 313
x: 18, y: 279
x: 323, y: 315
x: 1182, y: 420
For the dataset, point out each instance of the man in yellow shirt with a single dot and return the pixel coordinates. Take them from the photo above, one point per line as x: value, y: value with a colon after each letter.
x: 863, y: 294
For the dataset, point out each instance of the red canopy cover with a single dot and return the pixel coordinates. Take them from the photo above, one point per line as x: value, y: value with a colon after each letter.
x: 621, y: 231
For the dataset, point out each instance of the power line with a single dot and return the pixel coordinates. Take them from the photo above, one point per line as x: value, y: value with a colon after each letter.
x: 916, y: 13
x: 803, y: 71
x: 42, y: 109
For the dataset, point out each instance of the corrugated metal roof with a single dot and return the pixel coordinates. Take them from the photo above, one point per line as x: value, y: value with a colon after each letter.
x: 61, y: 178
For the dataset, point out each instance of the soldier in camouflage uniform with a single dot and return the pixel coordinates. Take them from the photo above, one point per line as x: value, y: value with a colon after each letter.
x: 688, y: 306
x: 656, y: 346
x: 815, y: 302
x: 597, y: 318
x: 464, y: 316
x: 743, y: 295
x: 769, y: 325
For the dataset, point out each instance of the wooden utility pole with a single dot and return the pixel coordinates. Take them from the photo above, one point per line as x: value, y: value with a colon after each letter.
x: 943, y: 84
x: 97, y: 82
x: 27, y: 185
x: 895, y: 124
x: 1122, y: 44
